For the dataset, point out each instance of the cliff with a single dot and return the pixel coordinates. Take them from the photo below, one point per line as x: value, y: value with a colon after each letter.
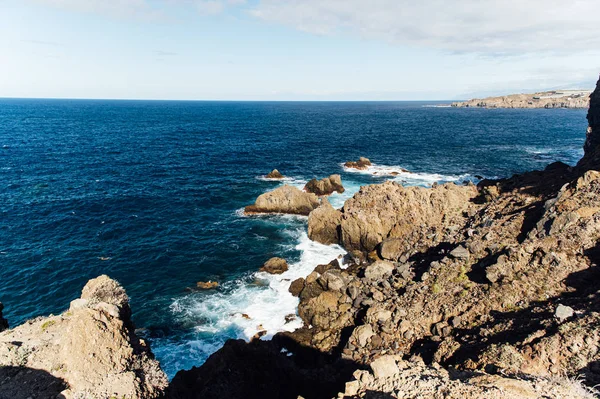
x: 90, y: 351
x: 548, y: 99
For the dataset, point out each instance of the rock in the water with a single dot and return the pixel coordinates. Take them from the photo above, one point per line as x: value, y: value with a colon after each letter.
x: 207, y: 285
x: 275, y: 265
x: 92, y: 350
x: 284, y: 199
x: 563, y: 312
x: 274, y: 174
x: 325, y: 186
x: 323, y: 224
x: 385, y: 367
x: 361, y: 164
x: 379, y: 270
x: 3, y: 322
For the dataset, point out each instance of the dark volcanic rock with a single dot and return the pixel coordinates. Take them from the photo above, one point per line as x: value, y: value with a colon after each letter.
x: 591, y: 158
x: 260, y: 369
x: 3, y: 322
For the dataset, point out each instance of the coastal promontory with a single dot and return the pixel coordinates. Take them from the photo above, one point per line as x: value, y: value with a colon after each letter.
x: 546, y: 99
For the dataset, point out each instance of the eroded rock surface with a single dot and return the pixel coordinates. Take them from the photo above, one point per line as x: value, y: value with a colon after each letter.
x: 323, y: 224
x: 275, y: 266
x: 274, y: 174
x: 90, y: 351
x: 325, y: 186
x: 284, y: 199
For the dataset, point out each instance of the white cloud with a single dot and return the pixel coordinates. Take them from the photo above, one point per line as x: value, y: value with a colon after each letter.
x: 465, y: 26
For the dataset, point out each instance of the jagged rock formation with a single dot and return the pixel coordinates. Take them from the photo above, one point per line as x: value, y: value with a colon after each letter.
x: 361, y: 164
x: 89, y: 351
x: 388, y: 210
x: 591, y: 159
x: 284, y: 199
x: 548, y: 99
x: 3, y: 322
x: 325, y: 186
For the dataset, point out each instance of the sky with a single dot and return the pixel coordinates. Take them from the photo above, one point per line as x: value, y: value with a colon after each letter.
x: 296, y: 49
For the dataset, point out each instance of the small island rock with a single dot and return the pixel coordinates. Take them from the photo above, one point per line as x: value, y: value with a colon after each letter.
x: 274, y: 174
x: 275, y: 266
x: 284, y: 199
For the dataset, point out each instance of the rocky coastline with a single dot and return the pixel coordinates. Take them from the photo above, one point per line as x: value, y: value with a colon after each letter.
x: 453, y: 291
x: 548, y: 99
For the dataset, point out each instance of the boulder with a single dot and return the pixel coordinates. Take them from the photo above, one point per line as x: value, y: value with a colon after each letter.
x: 323, y: 224
x: 362, y: 334
x: 274, y: 174
x: 296, y: 287
x: 325, y: 186
x: 275, y: 265
x: 460, y: 252
x: 379, y: 270
x: 90, y: 351
x: 391, y: 249
x: 563, y: 312
x: 3, y: 322
x: 284, y: 199
x: 385, y: 366
x: 361, y: 164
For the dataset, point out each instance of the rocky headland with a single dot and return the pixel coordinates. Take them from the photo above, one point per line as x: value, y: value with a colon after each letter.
x: 547, y: 99
x: 453, y: 291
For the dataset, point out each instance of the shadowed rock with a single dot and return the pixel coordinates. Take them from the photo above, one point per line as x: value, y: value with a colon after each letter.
x: 325, y: 186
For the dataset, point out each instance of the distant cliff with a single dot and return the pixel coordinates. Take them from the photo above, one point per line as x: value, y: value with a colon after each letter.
x: 547, y: 99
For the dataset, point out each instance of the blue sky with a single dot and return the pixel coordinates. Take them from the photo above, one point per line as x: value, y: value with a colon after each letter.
x: 295, y: 49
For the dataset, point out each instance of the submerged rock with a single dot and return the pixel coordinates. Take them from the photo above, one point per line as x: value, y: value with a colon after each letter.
x: 325, y: 186
x: 92, y: 350
x: 361, y: 164
x: 275, y: 266
x: 284, y: 199
x: 274, y: 174
x: 207, y: 285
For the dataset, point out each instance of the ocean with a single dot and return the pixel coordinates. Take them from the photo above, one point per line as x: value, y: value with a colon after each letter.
x: 151, y: 193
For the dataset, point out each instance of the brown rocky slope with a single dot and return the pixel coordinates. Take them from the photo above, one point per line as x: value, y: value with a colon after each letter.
x: 494, y: 285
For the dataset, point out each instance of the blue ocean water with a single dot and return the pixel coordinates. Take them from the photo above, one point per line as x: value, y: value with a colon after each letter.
x: 149, y: 192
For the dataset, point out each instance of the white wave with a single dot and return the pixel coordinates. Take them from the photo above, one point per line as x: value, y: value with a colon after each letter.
x: 401, y: 175
x: 242, y: 308
x: 286, y: 180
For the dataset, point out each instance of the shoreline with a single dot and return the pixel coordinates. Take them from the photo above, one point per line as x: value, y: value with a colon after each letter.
x: 490, y: 280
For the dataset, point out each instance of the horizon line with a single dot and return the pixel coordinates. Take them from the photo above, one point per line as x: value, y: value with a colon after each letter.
x: 209, y: 100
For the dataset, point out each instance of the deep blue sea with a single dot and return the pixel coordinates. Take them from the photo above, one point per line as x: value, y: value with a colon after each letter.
x: 149, y: 192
